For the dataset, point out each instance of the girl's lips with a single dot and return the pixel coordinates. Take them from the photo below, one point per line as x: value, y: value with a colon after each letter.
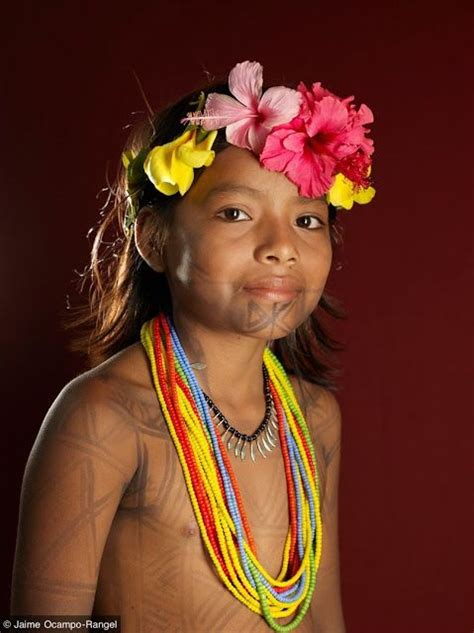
x: 273, y: 294
x: 274, y: 287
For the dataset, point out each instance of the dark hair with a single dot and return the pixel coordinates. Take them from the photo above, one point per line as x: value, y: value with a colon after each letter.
x: 124, y: 291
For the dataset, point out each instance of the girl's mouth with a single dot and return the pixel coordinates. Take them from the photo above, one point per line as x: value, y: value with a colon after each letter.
x: 274, y: 288
x: 273, y: 294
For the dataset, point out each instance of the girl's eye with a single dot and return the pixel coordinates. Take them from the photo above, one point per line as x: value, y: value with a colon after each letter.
x: 231, y: 213
x: 311, y: 225
x: 311, y: 222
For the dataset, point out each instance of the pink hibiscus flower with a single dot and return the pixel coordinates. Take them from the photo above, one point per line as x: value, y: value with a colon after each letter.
x: 310, y: 148
x: 286, y: 150
x: 249, y: 116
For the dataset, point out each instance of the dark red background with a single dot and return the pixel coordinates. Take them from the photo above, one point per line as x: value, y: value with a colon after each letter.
x: 68, y: 91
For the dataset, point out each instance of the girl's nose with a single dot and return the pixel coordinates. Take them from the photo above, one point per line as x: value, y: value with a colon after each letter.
x: 276, y: 243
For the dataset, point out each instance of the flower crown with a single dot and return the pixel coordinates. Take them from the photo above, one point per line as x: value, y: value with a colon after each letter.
x: 315, y: 138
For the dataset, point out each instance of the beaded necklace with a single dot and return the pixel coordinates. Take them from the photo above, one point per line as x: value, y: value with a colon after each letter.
x: 214, y: 492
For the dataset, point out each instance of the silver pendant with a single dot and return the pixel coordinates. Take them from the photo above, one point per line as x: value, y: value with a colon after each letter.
x: 252, y: 451
x: 263, y: 444
x: 237, y: 443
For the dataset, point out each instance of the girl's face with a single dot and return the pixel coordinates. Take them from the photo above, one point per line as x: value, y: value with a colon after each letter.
x: 245, y: 252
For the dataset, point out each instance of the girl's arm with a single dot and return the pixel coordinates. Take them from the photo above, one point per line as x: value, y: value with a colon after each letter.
x: 82, y: 460
x: 325, y: 421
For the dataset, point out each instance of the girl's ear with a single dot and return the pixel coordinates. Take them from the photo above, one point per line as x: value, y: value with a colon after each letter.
x: 145, y: 239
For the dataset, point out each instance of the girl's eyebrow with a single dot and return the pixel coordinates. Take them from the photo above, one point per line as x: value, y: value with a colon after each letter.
x: 229, y: 187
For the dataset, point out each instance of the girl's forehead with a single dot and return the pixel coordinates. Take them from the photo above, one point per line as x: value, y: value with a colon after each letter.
x: 234, y: 163
x: 238, y: 171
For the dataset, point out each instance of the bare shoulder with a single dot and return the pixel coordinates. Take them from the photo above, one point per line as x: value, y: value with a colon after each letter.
x: 112, y: 383
x: 321, y: 408
x: 102, y: 387
x: 88, y: 417
x: 123, y: 384
x: 129, y: 369
x: 97, y: 410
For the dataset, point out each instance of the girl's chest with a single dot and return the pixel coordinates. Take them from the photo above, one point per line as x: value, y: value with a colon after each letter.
x: 159, y: 497
x: 156, y: 570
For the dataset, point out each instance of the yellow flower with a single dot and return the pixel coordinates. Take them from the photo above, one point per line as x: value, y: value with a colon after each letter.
x: 344, y: 194
x: 170, y: 167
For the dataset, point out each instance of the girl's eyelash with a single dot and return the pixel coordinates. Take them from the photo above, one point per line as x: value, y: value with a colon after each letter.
x: 231, y: 209
x: 321, y: 223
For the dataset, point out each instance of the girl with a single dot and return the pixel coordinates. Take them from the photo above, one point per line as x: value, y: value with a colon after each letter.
x: 188, y: 480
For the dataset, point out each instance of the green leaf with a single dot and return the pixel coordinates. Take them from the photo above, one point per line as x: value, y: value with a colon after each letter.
x: 135, y: 172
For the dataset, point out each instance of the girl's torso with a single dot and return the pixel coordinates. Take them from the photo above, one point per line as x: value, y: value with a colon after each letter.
x: 155, y: 571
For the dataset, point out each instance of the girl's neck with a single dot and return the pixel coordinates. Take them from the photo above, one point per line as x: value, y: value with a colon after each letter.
x: 233, y: 363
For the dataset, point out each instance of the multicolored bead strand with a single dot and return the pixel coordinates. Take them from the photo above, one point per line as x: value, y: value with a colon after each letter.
x: 214, y: 492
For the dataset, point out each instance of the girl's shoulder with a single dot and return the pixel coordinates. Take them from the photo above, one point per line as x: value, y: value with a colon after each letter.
x: 320, y: 407
x: 128, y: 368
x: 123, y: 380
x: 104, y: 401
